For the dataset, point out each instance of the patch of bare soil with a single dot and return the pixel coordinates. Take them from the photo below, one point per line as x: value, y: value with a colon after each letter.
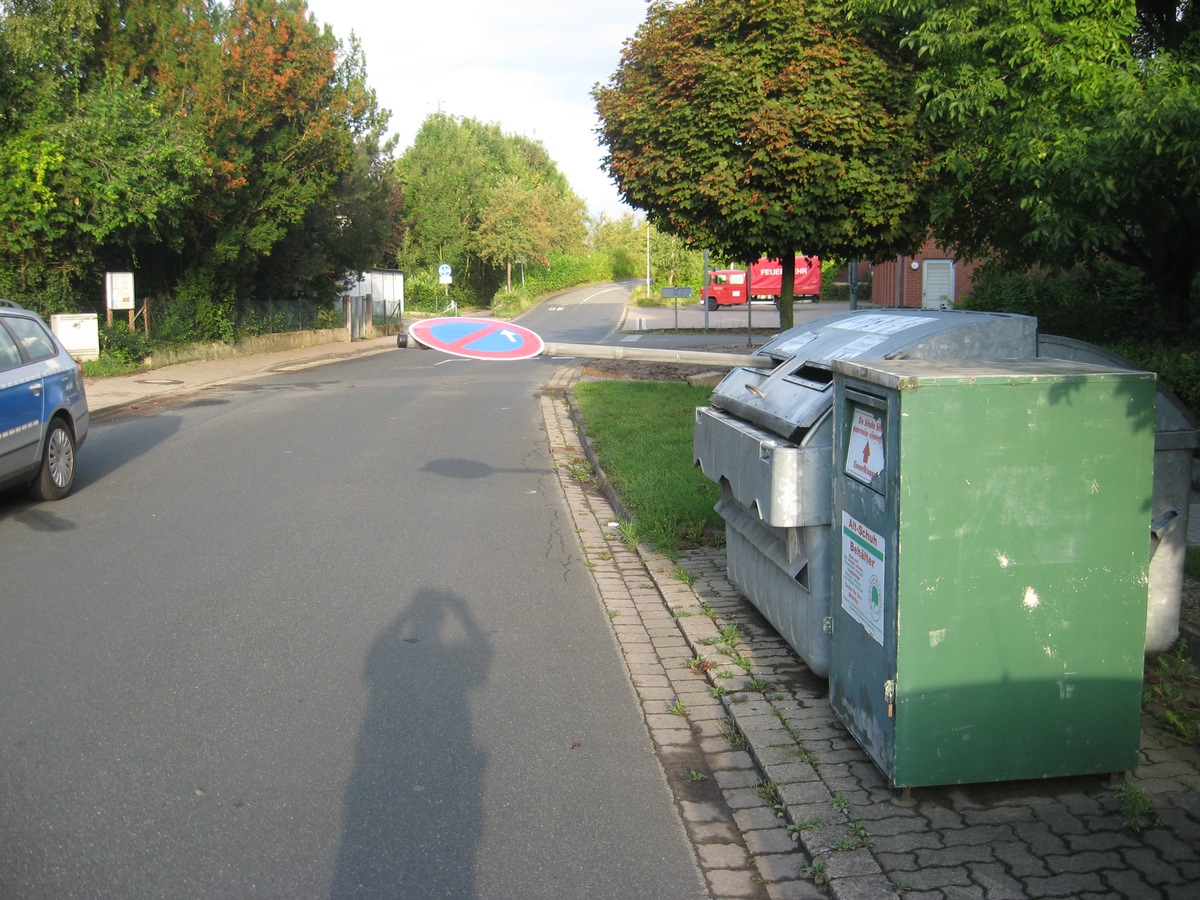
x: 653, y: 371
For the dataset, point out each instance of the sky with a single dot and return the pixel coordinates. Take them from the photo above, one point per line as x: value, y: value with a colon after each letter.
x: 528, y: 66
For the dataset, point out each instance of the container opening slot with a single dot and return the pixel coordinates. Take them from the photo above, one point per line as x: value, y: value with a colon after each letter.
x: 812, y: 376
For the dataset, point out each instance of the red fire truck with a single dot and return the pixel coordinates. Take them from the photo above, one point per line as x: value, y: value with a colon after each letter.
x: 728, y: 286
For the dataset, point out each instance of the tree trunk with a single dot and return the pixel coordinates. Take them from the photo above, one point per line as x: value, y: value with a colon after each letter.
x: 787, y: 292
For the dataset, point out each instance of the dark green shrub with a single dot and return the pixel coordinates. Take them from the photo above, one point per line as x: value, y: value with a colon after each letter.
x: 122, y: 344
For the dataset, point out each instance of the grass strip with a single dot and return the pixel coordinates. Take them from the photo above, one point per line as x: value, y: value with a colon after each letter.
x: 642, y: 433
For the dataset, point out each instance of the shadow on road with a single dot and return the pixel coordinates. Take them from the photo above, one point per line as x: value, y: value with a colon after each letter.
x: 413, y: 807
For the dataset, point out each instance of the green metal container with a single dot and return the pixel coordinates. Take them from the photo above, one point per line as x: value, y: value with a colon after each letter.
x: 990, y: 597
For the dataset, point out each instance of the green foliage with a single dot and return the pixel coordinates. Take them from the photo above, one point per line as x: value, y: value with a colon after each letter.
x: 123, y: 345
x: 1064, y: 132
x: 1171, y: 692
x: 1107, y: 304
x: 231, y: 145
x: 482, y: 201
x: 765, y: 127
x: 642, y: 432
x: 563, y: 271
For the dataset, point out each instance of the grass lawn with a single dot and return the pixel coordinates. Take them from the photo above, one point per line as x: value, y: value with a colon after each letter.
x: 642, y: 432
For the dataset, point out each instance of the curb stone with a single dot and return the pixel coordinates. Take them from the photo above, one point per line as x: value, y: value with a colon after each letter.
x: 764, y: 757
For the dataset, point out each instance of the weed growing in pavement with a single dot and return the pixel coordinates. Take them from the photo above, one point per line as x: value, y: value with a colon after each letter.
x: 717, y: 691
x: 803, y: 754
x: 684, y: 575
x: 1171, y: 693
x: 613, y: 613
x: 840, y: 803
x: 795, y: 828
x: 861, y: 837
x: 816, y: 870
x: 706, y: 609
x: 580, y: 469
x: 1136, y: 806
x: 629, y: 535
x: 677, y: 708
x: 758, y: 684
x: 768, y: 790
x: 733, y: 734
x: 699, y: 664
x: 742, y: 663
x: 697, y: 776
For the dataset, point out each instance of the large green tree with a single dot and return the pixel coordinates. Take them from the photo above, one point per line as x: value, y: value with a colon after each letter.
x: 479, y: 199
x: 765, y: 126
x: 221, y: 150
x: 1067, y: 132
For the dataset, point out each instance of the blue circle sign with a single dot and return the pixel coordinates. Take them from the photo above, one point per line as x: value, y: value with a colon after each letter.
x: 444, y: 269
x: 477, y: 338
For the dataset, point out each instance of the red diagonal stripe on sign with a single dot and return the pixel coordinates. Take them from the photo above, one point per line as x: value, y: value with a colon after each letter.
x: 471, y: 337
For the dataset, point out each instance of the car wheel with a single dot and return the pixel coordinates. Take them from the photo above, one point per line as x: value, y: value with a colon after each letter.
x: 712, y: 303
x: 57, y: 474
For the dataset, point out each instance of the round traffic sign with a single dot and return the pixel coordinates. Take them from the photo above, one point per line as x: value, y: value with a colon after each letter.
x: 477, y: 338
x: 444, y: 269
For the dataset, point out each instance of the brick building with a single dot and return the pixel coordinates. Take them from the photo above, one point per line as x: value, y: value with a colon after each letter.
x: 929, y: 279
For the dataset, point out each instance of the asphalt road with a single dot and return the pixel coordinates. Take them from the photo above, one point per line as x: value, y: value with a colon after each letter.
x: 324, y: 634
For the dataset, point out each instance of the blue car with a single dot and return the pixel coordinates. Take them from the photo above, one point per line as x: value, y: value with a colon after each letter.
x: 43, y: 406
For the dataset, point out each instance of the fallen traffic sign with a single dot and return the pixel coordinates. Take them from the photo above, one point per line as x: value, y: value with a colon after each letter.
x: 477, y: 338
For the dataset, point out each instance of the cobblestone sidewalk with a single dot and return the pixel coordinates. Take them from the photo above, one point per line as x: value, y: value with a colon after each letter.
x: 814, y: 815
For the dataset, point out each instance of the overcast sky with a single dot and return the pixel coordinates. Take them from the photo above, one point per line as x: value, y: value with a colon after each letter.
x: 528, y: 66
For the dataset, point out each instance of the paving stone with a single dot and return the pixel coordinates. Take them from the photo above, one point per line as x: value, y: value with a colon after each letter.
x: 980, y: 834
x: 733, y: 883
x: 799, y: 890
x: 722, y: 856
x: 863, y: 887
x: 781, y: 866
x: 1151, y: 865
x: 959, y: 855
x: 996, y: 882
x: 930, y: 878
x: 756, y: 817
x: 1065, y: 885
x: 1020, y: 861
x: 701, y: 812
x: 905, y: 842
x: 849, y: 864
x: 729, y: 779
x: 776, y: 839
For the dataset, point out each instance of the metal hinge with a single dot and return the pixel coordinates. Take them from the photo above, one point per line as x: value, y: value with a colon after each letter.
x: 889, y: 695
x: 827, y: 625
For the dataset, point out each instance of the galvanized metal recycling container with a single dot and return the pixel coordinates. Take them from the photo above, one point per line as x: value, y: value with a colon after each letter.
x: 767, y: 440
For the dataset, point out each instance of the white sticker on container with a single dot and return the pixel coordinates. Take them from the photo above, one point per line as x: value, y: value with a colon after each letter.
x: 864, y: 557
x: 864, y: 451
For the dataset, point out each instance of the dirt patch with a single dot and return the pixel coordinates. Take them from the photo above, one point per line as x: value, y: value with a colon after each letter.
x: 634, y: 370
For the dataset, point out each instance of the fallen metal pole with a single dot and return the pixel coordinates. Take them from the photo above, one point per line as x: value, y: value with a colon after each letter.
x: 637, y: 354
x: 654, y: 354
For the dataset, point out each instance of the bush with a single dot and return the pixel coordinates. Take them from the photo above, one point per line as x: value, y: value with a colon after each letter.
x: 564, y: 271
x: 1108, y: 305
x: 128, y: 347
x: 1100, y: 305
